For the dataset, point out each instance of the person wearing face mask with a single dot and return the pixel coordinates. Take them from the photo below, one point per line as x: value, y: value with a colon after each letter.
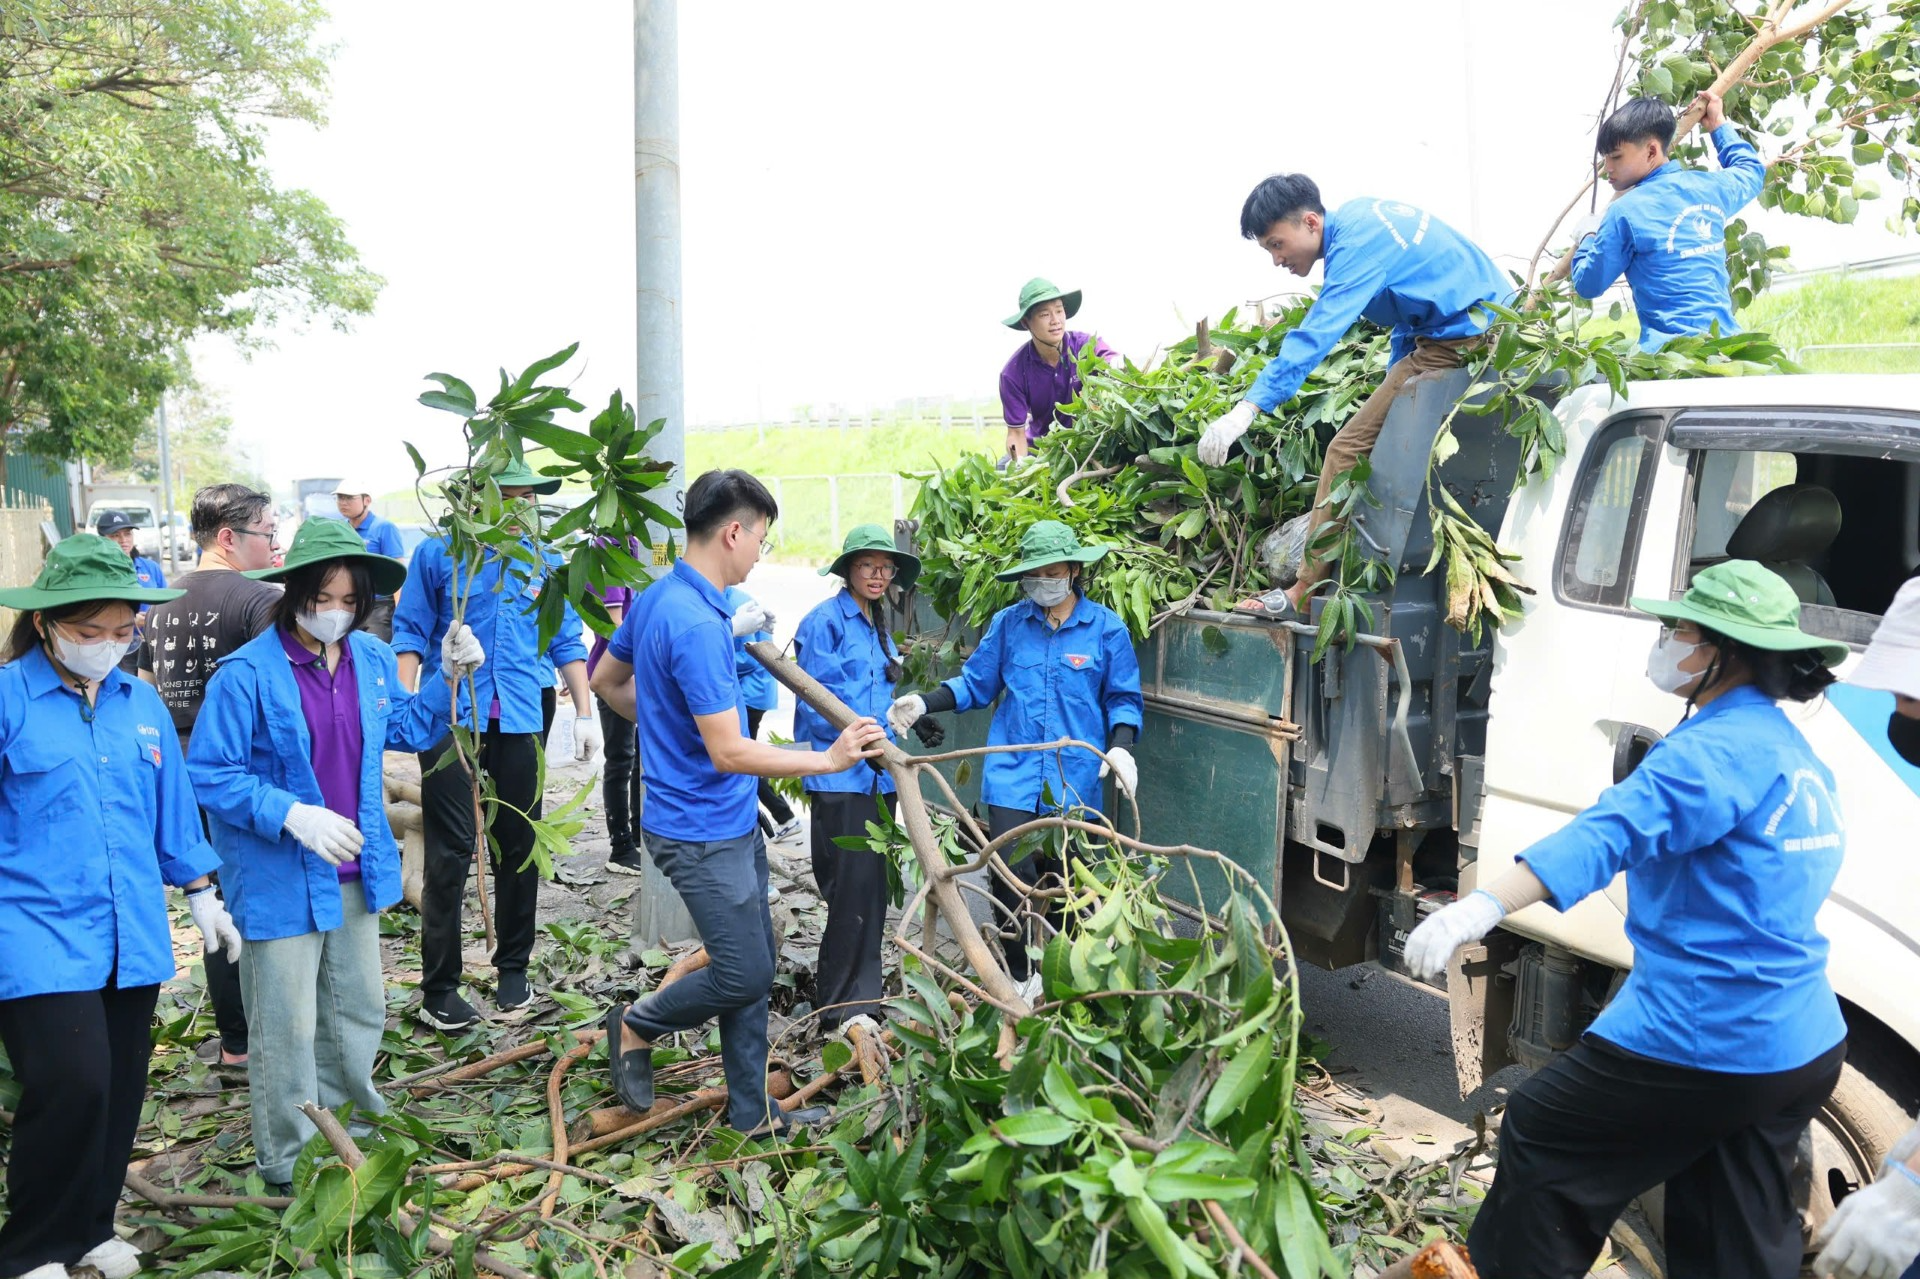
x: 286, y: 760
x: 845, y: 645
x: 1876, y: 1230
x: 1062, y: 666
x: 1044, y: 374
x: 1704, y: 1069
x: 97, y: 815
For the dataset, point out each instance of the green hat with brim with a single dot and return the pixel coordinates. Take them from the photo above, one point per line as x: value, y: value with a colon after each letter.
x: 82, y: 568
x: 1744, y: 601
x: 520, y: 475
x: 1036, y: 291
x: 321, y: 540
x: 1050, y: 542
x: 865, y: 538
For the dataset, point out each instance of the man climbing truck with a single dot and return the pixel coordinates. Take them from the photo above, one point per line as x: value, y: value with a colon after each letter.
x: 1373, y: 787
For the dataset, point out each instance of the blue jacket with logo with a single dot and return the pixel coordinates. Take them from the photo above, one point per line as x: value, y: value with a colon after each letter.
x: 1395, y: 265
x: 1667, y: 233
x: 1080, y: 681
x: 251, y: 758
x: 838, y: 646
x: 1730, y: 838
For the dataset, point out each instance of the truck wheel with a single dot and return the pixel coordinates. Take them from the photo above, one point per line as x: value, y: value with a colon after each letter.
x: 1846, y: 1142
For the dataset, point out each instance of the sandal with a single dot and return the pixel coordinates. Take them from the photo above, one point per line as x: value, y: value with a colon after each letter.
x: 1274, y: 604
x: 632, y: 1070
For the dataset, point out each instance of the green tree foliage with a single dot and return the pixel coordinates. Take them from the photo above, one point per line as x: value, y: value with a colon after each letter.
x: 200, y: 445
x: 135, y: 211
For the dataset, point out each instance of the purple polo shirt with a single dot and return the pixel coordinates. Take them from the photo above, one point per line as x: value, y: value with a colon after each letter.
x: 1031, y: 391
x: 330, y: 703
x: 620, y: 597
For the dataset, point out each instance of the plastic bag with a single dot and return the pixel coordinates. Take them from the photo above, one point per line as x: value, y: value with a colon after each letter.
x: 1284, y: 549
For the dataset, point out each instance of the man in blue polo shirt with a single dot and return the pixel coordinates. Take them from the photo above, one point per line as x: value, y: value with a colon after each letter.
x: 670, y: 670
x: 382, y: 537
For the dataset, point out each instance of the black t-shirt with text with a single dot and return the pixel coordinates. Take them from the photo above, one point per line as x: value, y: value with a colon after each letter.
x: 221, y: 610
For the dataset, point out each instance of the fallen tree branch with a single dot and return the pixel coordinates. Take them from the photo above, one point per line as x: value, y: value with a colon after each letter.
x: 1238, y: 1240
x: 170, y: 1201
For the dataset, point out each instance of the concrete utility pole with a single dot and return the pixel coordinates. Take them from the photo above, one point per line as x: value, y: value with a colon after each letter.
x: 166, y: 489
x: 658, y: 913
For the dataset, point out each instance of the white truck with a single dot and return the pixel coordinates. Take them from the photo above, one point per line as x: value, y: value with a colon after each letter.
x: 141, y: 503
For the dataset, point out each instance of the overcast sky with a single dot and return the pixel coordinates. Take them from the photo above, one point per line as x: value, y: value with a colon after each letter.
x: 865, y: 186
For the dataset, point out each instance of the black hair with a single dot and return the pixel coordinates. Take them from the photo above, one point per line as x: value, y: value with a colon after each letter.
x: 1639, y: 120
x: 25, y: 636
x: 219, y: 506
x: 1280, y: 198
x: 718, y: 497
x: 305, y: 583
x: 1797, y: 675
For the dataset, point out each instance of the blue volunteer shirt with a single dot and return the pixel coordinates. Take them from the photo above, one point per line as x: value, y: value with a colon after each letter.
x: 1080, y: 681
x: 1730, y: 838
x: 678, y: 637
x: 500, y: 613
x: 758, y: 692
x: 150, y: 576
x: 838, y: 646
x: 1398, y: 266
x: 382, y: 537
x: 96, y: 817
x: 1667, y: 233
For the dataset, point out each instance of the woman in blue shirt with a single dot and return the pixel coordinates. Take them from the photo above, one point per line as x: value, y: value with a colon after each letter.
x: 844, y: 644
x: 1725, y: 1039
x: 1067, y: 669
x: 96, y: 817
x: 752, y: 622
x: 286, y: 760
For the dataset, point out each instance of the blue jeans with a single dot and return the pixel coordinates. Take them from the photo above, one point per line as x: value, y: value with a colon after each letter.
x: 724, y: 884
x: 316, y: 1006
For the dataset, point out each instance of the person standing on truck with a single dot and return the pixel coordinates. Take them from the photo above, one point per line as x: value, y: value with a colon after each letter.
x: 1666, y: 227
x: 117, y: 528
x: 670, y: 669
x: 844, y: 643
x: 506, y: 706
x: 1726, y: 1038
x: 1876, y: 1230
x: 1388, y: 262
x: 1045, y: 372
x: 382, y: 537
x: 1061, y: 666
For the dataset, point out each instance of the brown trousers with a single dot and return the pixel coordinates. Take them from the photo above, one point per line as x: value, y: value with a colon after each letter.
x: 1356, y: 439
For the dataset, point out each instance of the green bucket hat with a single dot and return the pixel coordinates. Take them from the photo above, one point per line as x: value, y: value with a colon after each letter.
x: 1036, y: 291
x: 520, y: 475
x: 1744, y: 601
x: 320, y: 540
x: 1050, y: 542
x: 80, y: 568
x: 871, y: 537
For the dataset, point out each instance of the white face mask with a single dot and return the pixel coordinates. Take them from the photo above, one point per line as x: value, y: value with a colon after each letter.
x: 1046, y: 591
x: 327, y: 627
x: 1663, y: 663
x: 90, y: 662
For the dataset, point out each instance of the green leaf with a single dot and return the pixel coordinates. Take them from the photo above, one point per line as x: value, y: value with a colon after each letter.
x: 1037, y: 1127
x: 1237, y: 1082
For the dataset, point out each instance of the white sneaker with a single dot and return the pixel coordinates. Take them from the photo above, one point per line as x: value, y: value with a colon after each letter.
x: 52, y: 1270
x: 114, y: 1259
x: 1030, y: 988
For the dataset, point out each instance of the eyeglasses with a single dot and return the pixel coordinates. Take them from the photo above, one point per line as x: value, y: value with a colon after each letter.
x: 877, y: 570
x: 271, y: 534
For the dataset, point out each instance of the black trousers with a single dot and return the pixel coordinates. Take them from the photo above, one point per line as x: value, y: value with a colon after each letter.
x: 1600, y: 1125
x: 223, y: 980
x: 854, y: 886
x: 779, y: 809
x: 621, y: 781
x: 81, y: 1061
x: 1014, y: 907
x: 446, y: 826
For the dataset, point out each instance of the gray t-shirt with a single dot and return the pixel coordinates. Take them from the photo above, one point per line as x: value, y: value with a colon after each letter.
x: 221, y: 610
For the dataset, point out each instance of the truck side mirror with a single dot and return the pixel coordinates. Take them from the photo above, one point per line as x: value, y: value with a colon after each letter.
x: 1631, y: 742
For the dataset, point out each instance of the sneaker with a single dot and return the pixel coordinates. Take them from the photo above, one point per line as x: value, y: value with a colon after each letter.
x: 512, y: 993
x: 787, y: 830
x: 626, y: 862
x: 114, y: 1259
x: 447, y: 1011
x: 783, y: 1124
x: 1030, y: 988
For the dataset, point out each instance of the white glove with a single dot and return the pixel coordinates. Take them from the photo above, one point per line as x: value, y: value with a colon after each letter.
x: 1432, y: 944
x: 460, y: 653
x: 904, y: 712
x: 1224, y: 430
x: 335, y: 839
x: 1876, y: 1232
x: 753, y: 616
x: 1119, y: 762
x: 216, y: 926
x: 586, y: 738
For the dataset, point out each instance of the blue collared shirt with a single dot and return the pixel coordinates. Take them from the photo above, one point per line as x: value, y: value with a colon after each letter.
x: 1395, y: 265
x: 1080, y: 681
x: 758, y: 692
x: 382, y: 537
x: 1668, y: 235
x: 678, y: 637
x: 149, y: 575
x: 1730, y: 838
x: 95, y: 818
x: 500, y: 613
x: 838, y: 646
